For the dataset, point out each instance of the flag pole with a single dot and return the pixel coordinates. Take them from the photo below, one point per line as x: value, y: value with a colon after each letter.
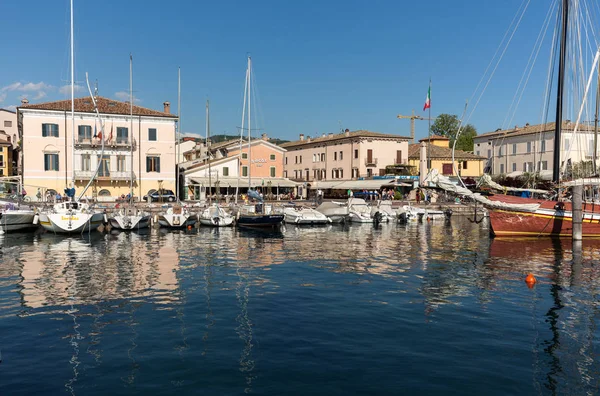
x: 429, y: 143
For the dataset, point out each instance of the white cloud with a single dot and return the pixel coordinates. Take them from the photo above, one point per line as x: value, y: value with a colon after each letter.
x: 11, y: 108
x: 2, y: 96
x: 124, y: 97
x: 40, y: 95
x: 27, y: 87
x: 66, y: 89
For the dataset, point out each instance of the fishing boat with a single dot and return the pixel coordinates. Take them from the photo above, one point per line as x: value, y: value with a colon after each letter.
x: 130, y: 217
x: 304, y: 216
x: 359, y: 211
x: 337, y: 212
x: 260, y: 214
x: 215, y: 216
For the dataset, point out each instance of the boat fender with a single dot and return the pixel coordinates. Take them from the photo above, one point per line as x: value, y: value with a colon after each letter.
x: 155, y: 218
x: 36, y: 218
x: 105, y: 219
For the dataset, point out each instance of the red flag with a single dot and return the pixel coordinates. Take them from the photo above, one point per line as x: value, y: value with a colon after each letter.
x: 428, y: 99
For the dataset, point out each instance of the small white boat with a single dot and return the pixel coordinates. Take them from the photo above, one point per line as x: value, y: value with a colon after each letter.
x: 70, y: 218
x: 14, y: 218
x: 305, y: 216
x: 216, y: 216
x: 337, y: 212
x: 177, y: 216
x: 384, y: 208
x: 359, y: 211
x: 411, y: 213
x: 130, y: 218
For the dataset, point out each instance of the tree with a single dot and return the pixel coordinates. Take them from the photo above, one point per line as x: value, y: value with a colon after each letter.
x: 447, y: 125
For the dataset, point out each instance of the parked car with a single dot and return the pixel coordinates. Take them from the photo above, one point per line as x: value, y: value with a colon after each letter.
x: 161, y: 196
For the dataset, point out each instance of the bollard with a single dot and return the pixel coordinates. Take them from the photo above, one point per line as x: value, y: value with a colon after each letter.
x: 576, y: 208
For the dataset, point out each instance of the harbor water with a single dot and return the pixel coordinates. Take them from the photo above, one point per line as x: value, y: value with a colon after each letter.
x: 432, y: 308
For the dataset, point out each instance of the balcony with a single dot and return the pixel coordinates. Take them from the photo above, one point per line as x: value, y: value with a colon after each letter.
x: 371, y: 161
x: 113, y: 175
x: 97, y: 143
x: 402, y: 162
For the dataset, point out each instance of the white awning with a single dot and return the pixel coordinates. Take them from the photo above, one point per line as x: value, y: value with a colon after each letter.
x: 358, y: 184
x: 243, y: 182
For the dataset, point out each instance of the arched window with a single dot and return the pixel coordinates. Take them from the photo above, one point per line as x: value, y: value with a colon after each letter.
x: 104, y: 193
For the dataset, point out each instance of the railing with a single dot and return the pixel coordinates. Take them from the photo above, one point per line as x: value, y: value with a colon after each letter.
x: 112, y: 175
x: 371, y: 161
x: 402, y: 162
x: 95, y: 142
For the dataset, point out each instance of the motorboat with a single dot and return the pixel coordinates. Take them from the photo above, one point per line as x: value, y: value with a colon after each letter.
x: 384, y: 208
x: 215, y: 216
x: 337, y: 212
x: 70, y: 217
x: 410, y: 213
x: 259, y: 215
x: 307, y: 216
x: 359, y: 211
x: 177, y: 216
x: 130, y: 218
x: 15, y: 218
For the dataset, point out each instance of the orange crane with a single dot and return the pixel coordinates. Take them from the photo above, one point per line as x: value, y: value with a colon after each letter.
x: 412, y: 118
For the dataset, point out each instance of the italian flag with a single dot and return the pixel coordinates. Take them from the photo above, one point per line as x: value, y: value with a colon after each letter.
x: 428, y: 99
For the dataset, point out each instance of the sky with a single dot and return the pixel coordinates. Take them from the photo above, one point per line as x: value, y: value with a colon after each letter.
x: 319, y: 66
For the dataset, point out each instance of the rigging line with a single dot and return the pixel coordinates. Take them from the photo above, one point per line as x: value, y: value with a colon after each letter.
x: 498, y: 63
x: 529, y: 68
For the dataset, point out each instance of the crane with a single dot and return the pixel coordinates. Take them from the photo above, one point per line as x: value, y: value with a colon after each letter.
x: 412, y: 118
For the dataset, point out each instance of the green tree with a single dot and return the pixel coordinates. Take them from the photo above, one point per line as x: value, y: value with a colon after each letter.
x: 447, y: 125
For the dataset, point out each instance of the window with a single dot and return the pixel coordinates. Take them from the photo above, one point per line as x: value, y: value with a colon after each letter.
x: 121, y: 163
x: 296, y: 159
x: 314, y: 157
x: 524, y: 166
x: 341, y: 173
x: 152, y: 163
x: 447, y: 169
x: 544, y: 165
x: 244, y: 155
x: 465, y: 164
x: 501, y: 168
x: 514, y: 166
x: 104, y: 170
x: 50, y: 162
x: 369, y: 172
x: 333, y: 174
x: 286, y: 160
x: 50, y: 130
x: 322, y: 157
x: 84, y: 132
x: 285, y: 174
x: 300, y: 159
x: 543, y: 147
x: 500, y: 151
x: 225, y: 171
x: 514, y: 148
x: 86, y: 162
x: 272, y: 157
x: 341, y: 155
x: 477, y: 152
x: 354, y: 172
x: 530, y: 166
x: 335, y: 155
x: 8, y: 124
x: 244, y: 171
x: 528, y: 147
x: 152, y: 134
x: 489, y: 153
x: 272, y: 171
x: 355, y: 153
x: 122, y: 135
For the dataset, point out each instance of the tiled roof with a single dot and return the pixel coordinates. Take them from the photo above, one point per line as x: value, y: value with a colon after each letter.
x: 105, y: 106
x: 225, y: 143
x: 437, y: 152
x: 434, y: 137
x: 341, y: 136
x: 529, y: 129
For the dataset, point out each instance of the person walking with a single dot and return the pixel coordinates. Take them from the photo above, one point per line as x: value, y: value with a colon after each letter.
x: 418, y: 196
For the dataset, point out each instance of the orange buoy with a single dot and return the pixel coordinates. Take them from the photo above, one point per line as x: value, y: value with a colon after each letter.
x: 189, y: 227
x: 530, y: 280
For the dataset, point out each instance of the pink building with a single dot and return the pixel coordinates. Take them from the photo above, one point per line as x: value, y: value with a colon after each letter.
x: 344, y: 156
x: 140, y: 148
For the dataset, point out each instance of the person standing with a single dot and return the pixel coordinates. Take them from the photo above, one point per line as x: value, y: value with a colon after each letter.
x: 418, y: 196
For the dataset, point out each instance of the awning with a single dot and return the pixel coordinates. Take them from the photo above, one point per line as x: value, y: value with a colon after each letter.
x: 358, y: 184
x: 243, y: 182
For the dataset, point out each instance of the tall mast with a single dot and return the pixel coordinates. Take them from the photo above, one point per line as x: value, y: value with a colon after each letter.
x: 178, y: 132
x: 249, y: 125
x: 72, y: 100
x: 560, y: 90
x: 594, y: 155
x: 208, y: 152
x: 242, y: 136
x: 131, y: 125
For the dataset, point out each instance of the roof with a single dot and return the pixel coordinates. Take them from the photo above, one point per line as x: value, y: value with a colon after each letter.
x: 437, y: 152
x: 8, y: 111
x: 225, y: 143
x: 434, y: 137
x: 199, y: 164
x: 530, y: 129
x: 105, y: 106
x: 341, y: 136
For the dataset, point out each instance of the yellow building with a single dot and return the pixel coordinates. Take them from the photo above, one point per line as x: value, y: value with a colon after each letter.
x: 5, y: 159
x: 440, y: 155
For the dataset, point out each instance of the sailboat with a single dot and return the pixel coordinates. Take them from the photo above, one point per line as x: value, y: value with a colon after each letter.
x: 259, y: 215
x: 74, y: 216
x: 177, y: 216
x: 129, y: 217
x: 13, y: 216
x: 214, y: 215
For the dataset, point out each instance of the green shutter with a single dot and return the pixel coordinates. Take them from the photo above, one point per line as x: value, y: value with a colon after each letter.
x: 148, y: 164
x: 46, y: 162
x: 157, y: 159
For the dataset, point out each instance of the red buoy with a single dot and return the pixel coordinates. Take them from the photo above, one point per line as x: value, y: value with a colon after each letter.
x: 530, y: 280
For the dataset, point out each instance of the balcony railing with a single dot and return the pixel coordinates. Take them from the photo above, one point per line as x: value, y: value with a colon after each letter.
x: 402, y: 162
x: 112, y: 175
x: 96, y: 143
x: 371, y: 161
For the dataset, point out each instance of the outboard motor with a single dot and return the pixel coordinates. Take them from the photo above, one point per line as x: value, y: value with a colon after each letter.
x: 377, y: 218
x: 448, y: 213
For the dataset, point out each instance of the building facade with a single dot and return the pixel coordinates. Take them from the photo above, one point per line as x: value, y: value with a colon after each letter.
x: 344, y: 156
x: 531, y: 148
x: 440, y: 158
x: 139, y: 149
x: 9, y: 159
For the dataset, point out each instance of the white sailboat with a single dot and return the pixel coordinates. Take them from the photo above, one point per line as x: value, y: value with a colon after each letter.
x: 74, y: 216
x: 304, y: 216
x: 13, y: 216
x: 214, y: 215
x: 177, y: 216
x: 130, y: 217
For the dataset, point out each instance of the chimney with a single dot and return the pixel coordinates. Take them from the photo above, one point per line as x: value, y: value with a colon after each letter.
x: 301, y: 136
x: 347, y: 131
x: 167, y: 107
x: 308, y: 137
x: 324, y: 134
x: 264, y: 137
x: 330, y: 135
x: 24, y: 102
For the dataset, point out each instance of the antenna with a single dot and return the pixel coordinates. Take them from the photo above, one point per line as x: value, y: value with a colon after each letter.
x: 96, y: 89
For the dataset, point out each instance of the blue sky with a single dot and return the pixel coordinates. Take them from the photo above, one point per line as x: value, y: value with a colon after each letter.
x: 318, y: 64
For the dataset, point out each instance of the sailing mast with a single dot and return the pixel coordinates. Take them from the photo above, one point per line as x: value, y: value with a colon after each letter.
x: 72, y: 101
x: 208, y: 152
x: 560, y: 90
x: 242, y: 136
x: 594, y: 155
x: 178, y: 132
x: 249, y: 128
x: 131, y: 125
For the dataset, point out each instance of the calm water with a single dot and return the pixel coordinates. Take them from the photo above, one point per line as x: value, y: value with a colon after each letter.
x: 427, y: 309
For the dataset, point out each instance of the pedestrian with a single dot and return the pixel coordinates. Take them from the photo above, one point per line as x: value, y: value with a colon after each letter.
x: 418, y: 196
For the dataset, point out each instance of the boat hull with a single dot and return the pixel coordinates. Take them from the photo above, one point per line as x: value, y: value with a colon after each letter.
x: 176, y: 220
x: 217, y: 221
x: 18, y: 220
x: 71, y: 224
x: 260, y: 220
x: 129, y: 222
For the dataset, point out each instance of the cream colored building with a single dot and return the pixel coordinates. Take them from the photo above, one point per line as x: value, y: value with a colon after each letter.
x: 141, y: 148
x: 530, y: 148
x: 440, y: 156
x: 344, y: 156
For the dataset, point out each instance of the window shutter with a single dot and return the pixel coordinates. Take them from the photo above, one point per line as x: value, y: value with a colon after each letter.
x: 46, y: 162
x: 56, y: 161
x: 44, y: 130
x: 148, y: 164
x: 157, y: 159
